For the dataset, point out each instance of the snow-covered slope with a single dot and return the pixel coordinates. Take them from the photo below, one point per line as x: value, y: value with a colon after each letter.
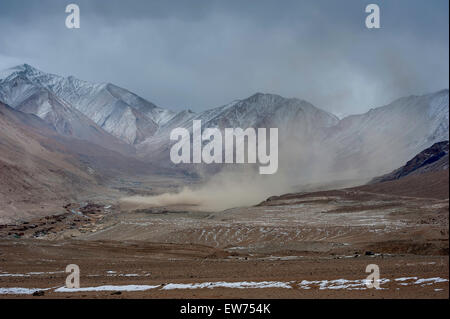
x: 261, y: 110
x: 385, y: 137
x: 317, y: 144
x: 68, y: 121
x: 295, y: 119
x: 116, y: 110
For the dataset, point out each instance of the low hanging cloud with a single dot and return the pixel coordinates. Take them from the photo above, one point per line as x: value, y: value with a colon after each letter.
x: 181, y: 55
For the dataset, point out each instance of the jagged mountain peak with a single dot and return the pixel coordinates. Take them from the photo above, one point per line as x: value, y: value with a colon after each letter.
x: 258, y: 96
x: 271, y: 98
x: 24, y: 70
x: 115, y: 109
x: 268, y: 98
x: 269, y: 102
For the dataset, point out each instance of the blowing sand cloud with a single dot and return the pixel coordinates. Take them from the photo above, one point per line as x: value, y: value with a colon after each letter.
x: 222, y: 191
x: 237, y: 186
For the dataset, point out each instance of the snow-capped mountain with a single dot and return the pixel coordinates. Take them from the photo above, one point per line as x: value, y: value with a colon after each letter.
x: 266, y: 110
x: 368, y: 144
x: 116, y: 110
x: 295, y: 118
x: 68, y: 121
x: 385, y: 137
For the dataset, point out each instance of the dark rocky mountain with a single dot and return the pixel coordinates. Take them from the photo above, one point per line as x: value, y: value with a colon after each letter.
x: 433, y: 159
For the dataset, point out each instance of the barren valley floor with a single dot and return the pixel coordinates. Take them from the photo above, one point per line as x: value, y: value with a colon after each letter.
x: 313, y: 245
x: 168, y: 270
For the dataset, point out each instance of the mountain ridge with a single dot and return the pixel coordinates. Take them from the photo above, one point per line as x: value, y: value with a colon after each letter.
x: 432, y: 159
x: 109, y: 106
x: 366, y: 144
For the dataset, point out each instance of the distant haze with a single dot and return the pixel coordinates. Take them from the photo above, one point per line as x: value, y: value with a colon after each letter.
x: 204, y: 53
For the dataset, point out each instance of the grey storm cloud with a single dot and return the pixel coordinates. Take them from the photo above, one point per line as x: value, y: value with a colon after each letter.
x: 200, y: 54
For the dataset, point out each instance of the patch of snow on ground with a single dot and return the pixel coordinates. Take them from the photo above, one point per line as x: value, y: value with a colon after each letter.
x: 223, y: 284
x: 108, y: 288
x: 20, y: 291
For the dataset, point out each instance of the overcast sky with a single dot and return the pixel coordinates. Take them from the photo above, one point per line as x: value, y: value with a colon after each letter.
x: 201, y: 54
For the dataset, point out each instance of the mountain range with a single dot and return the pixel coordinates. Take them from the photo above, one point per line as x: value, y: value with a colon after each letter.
x: 118, y: 120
